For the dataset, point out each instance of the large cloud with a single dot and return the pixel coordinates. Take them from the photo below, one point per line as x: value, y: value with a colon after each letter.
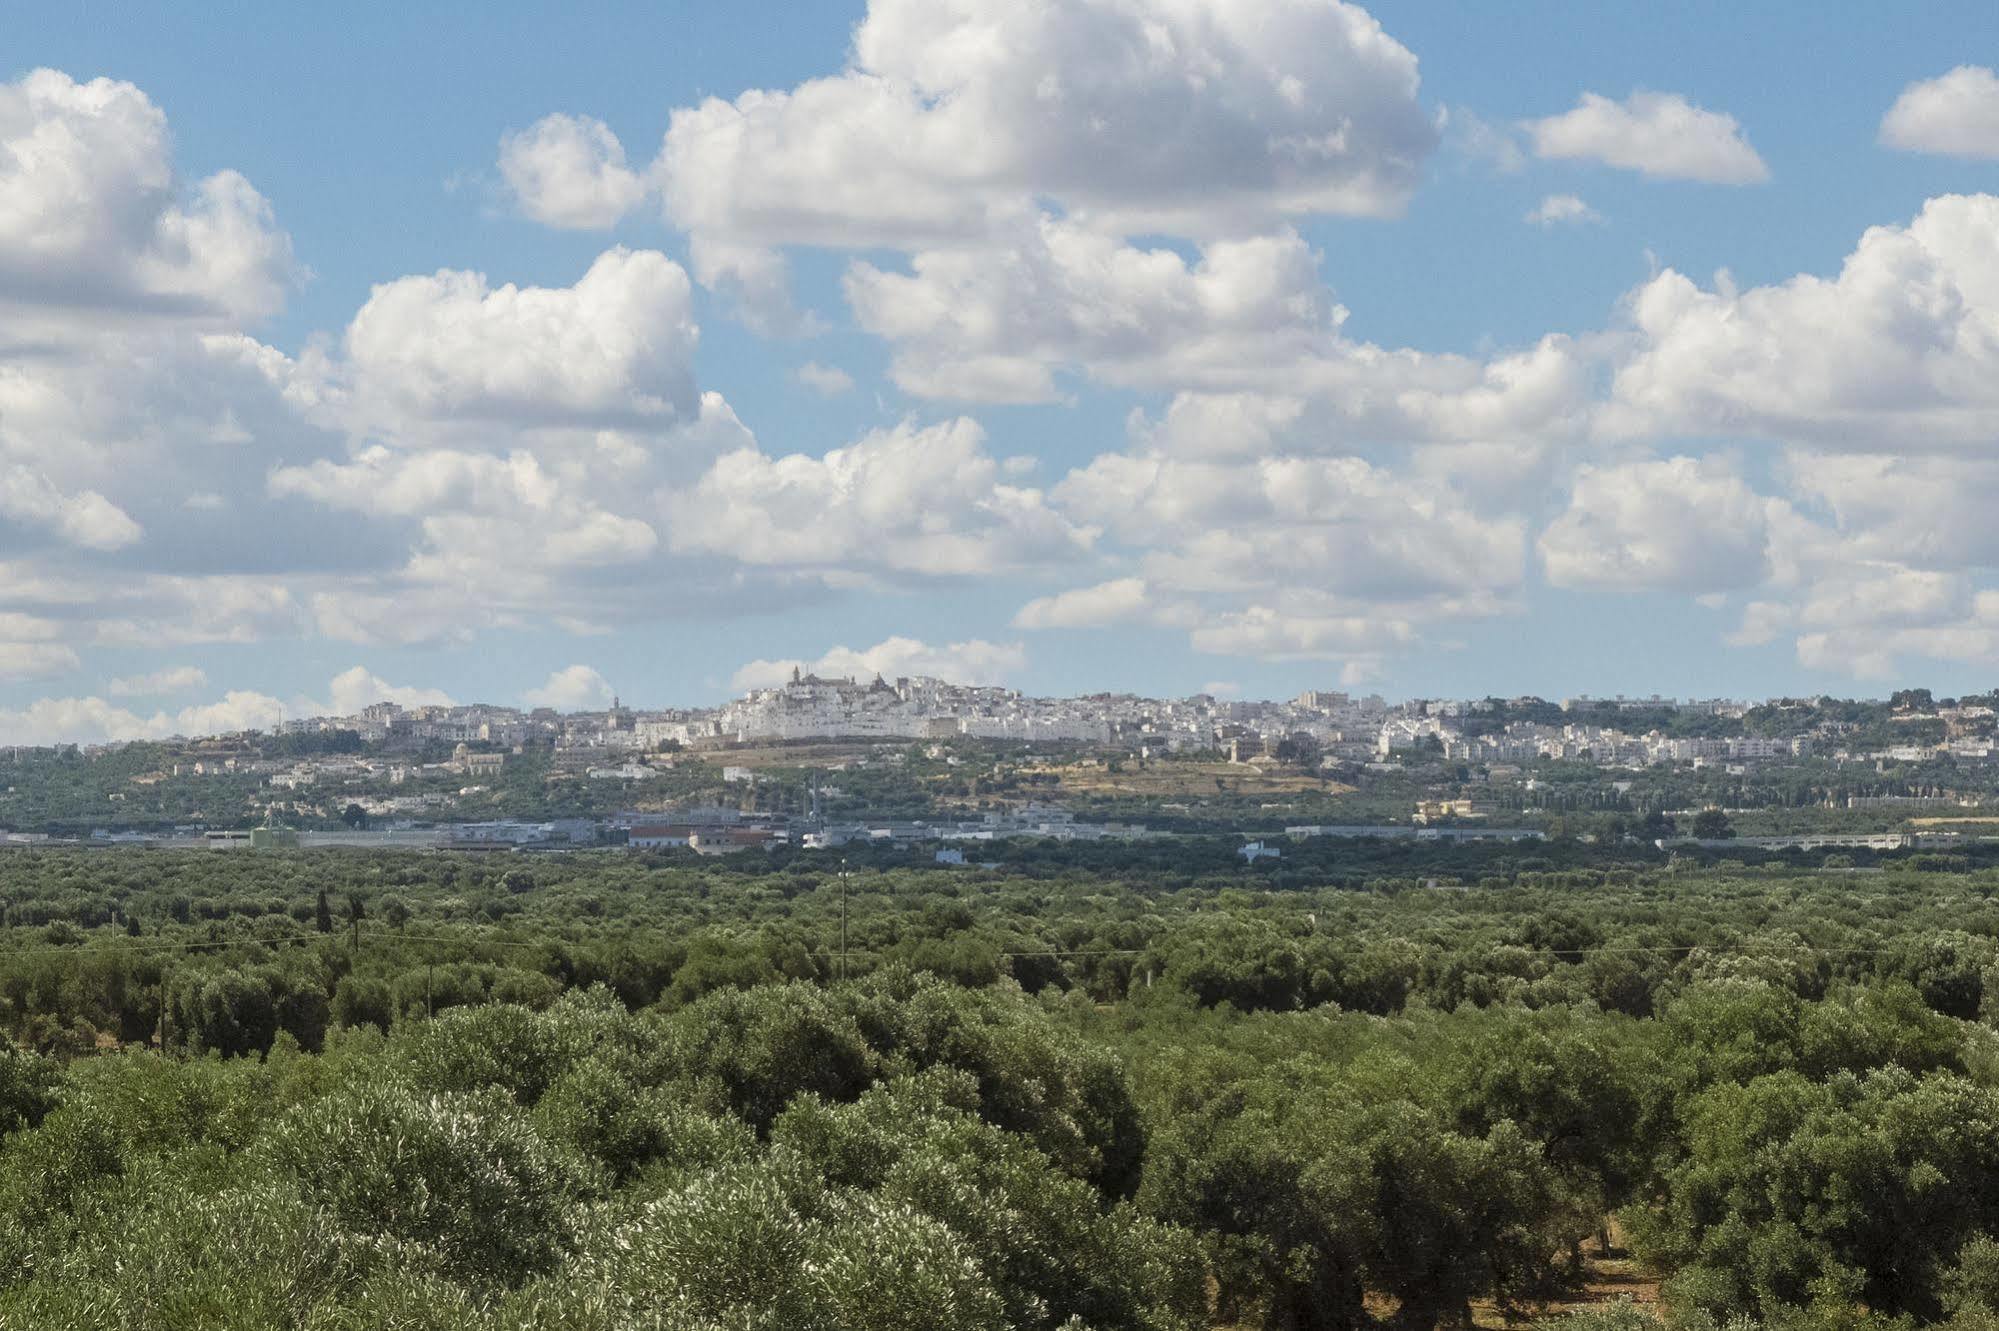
x: 139, y: 611
x: 902, y: 501
x: 1185, y: 116
x: 92, y: 720
x: 357, y: 687
x: 1248, y: 317
x: 571, y: 689
x: 1884, y: 558
x: 972, y: 323
x: 1956, y: 114
x: 96, y: 220
x: 1936, y: 512
x: 1881, y: 387
x: 1679, y: 524
x: 505, y: 448
x: 958, y: 119
x: 146, y: 450
x: 1900, y: 350
x: 569, y: 171
x: 1284, y: 557
x: 1339, y: 524
x: 134, y: 406
x: 123, y: 290
x: 614, y: 349
x: 1866, y: 622
x: 473, y: 509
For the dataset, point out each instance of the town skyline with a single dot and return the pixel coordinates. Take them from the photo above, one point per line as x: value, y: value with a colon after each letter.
x: 817, y: 764
x: 806, y: 705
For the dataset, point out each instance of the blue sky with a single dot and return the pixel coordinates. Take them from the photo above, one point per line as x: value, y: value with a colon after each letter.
x: 1178, y: 344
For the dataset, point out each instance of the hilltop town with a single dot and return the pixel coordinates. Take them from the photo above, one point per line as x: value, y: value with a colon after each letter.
x: 820, y: 763
x: 1605, y: 732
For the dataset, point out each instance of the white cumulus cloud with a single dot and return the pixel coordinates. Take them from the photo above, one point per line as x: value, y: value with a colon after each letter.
x: 614, y: 348
x: 968, y: 327
x: 906, y: 500
x: 1956, y: 114
x: 357, y: 687
x: 92, y: 720
x: 74, y: 721
x: 1655, y: 133
x: 1902, y: 344
x: 1285, y: 556
x: 1682, y: 524
x: 571, y: 689
x: 953, y: 113
x: 569, y: 171
x: 97, y: 222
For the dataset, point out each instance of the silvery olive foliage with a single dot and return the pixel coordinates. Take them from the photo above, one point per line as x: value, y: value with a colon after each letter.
x: 1040, y: 1104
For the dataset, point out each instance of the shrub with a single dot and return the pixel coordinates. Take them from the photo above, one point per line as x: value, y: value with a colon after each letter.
x: 462, y: 1178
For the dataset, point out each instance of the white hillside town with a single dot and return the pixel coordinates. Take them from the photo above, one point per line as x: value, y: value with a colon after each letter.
x: 1340, y: 728
x: 439, y: 775
x: 1605, y: 732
